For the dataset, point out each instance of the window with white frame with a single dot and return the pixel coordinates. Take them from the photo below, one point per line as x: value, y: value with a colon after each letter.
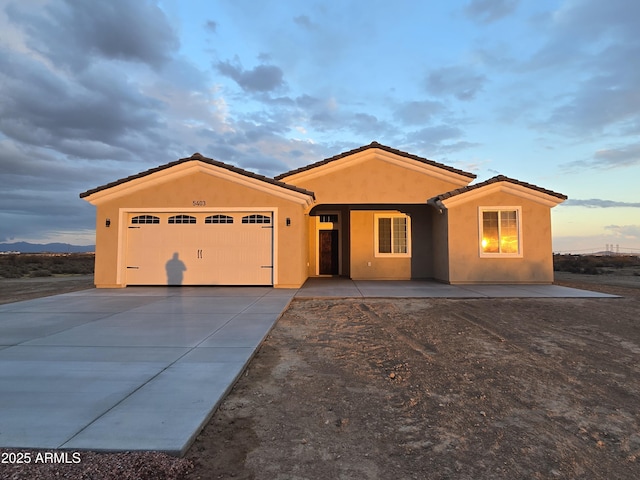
x: 392, y: 235
x: 500, y: 231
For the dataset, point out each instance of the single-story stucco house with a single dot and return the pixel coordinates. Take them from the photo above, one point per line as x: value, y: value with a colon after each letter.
x: 370, y: 213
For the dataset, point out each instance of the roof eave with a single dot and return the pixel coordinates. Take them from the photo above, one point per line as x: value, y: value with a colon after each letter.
x: 187, y: 165
x: 296, y: 173
x: 520, y: 189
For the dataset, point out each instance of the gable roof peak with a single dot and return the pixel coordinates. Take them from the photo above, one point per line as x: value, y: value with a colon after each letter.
x: 492, y: 180
x: 378, y: 146
x: 504, y: 178
x: 200, y: 158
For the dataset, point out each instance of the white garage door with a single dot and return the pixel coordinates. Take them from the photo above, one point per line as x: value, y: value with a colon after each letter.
x: 229, y: 248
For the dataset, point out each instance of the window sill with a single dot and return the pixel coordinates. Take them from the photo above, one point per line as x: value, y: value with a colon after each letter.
x: 500, y: 255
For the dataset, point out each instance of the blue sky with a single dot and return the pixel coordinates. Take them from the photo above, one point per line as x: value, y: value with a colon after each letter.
x: 546, y: 91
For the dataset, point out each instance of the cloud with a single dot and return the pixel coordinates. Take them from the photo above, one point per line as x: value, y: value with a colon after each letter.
x: 458, y: 81
x: 35, y: 191
x: 324, y: 115
x: 591, y: 21
x: 304, y: 21
x: 608, y: 100
x: 369, y: 126
x: 211, y: 26
x: 262, y: 78
x: 473, y: 165
x: 619, y: 157
x: 579, y: 29
x: 599, y: 203
x: 118, y: 29
x: 589, y: 46
x: 434, y: 141
x: 629, y: 232
x: 614, y: 157
x: 457, y: 147
x: 97, y: 103
x: 436, y: 134
x: 97, y: 108
x: 321, y: 114
x: 418, y: 112
x: 86, y: 92
x: 265, y: 153
x: 488, y: 11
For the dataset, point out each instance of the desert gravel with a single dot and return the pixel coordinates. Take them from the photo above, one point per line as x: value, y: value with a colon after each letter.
x: 93, y: 466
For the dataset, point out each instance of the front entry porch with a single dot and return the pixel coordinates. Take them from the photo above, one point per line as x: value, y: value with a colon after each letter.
x: 372, y: 241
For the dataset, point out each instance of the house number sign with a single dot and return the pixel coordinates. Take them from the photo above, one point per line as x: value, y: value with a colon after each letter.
x: 199, y: 203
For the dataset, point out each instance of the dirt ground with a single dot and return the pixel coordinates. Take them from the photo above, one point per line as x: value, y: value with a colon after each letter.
x: 432, y: 388
x: 18, y: 289
x: 438, y: 389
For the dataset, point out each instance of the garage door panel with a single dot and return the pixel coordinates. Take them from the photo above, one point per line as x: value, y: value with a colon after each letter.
x: 147, y: 256
x: 236, y: 254
x: 200, y: 254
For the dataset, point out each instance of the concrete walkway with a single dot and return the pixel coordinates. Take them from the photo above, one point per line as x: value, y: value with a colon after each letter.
x: 337, y: 287
x: 131, y: 369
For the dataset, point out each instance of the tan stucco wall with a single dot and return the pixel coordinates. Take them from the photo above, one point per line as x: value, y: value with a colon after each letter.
x: 374, y: 181
x: 363, y: 253
x: 312, y: 236
x: 179, y: 193
x: 106, y: 264
x: 465, y: 263
x: 345, y: 236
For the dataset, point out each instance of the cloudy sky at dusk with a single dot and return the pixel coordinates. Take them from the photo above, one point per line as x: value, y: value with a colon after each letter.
x: 544, y: 91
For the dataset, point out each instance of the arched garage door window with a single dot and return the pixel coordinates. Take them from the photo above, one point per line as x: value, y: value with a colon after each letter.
x: 256, y: 219
x: 182, y: 219
x: 218, y: 219
x: 143, y: 219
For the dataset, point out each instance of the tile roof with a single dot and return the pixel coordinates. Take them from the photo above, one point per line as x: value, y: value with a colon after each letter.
x: 199, y: 158
x: 378, y: 146
x: 496, y: 179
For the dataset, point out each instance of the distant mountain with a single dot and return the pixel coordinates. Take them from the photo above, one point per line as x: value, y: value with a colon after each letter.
x: 26, y: 247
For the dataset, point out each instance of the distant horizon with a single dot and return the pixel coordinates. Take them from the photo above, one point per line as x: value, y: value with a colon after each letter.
x: 629, y: 251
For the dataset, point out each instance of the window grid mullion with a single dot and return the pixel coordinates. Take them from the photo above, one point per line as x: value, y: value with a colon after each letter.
x: 499, y: 231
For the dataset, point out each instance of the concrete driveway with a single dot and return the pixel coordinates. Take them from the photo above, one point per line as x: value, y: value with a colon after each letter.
x: 131, y: 369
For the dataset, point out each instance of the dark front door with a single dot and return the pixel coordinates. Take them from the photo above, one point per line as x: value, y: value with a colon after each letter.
x: 329, y: 252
